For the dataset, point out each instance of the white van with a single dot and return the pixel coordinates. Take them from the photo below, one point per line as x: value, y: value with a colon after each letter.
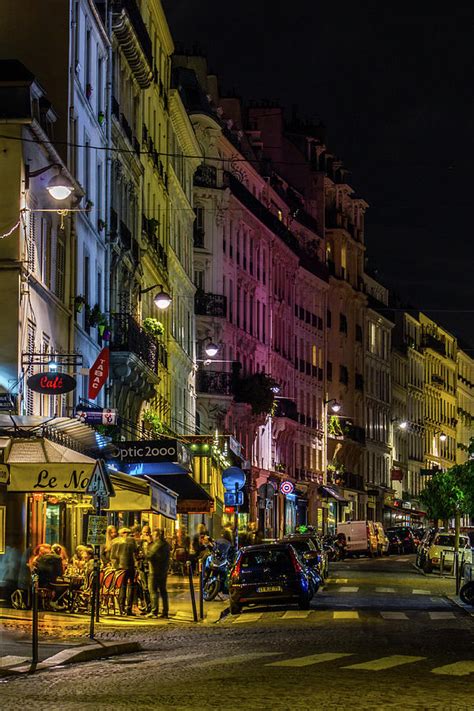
x: 361, y: 537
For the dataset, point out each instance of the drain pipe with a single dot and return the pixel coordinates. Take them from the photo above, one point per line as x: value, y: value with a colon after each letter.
x: 108, y: 172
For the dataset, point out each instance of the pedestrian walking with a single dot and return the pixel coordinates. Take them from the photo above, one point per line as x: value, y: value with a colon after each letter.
x: 158, y: 555
x: 122, y: 555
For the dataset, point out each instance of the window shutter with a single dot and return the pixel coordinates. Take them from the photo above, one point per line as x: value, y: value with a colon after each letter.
x: 60, y: 266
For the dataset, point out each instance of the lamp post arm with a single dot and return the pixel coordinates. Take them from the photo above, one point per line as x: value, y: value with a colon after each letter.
x: 149, y: 288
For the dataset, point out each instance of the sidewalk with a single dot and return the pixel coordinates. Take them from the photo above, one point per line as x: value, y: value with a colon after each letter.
x: 59, y: 631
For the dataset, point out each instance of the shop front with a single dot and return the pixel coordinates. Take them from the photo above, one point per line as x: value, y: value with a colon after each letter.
x: 46, y: 501
x: 334, y: 511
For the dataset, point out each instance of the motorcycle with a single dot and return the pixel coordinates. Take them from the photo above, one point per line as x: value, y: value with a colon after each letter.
x: 312, y: 561
x: 215, y: 572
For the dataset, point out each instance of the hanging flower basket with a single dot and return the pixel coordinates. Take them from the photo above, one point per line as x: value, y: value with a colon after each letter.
x: 79, y: 303
x: 153, y: 327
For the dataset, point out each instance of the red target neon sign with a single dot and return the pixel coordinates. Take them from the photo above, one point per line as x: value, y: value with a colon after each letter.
x: 287, y: 487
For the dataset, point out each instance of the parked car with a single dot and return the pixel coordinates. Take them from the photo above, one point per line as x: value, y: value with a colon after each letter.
x: 442, y: 547
x: 406, y: 535
x: 382, y: 540
x: 424, y: 545
x: 268, y: 573
x: 361, y: 537
x: 306, y: 543
x: 395, y: 544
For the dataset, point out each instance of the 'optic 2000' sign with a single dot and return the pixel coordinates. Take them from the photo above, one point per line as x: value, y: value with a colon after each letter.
x: 156, y: 450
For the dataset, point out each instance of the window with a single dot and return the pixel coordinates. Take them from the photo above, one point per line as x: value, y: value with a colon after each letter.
x: 358, y: 333
x: 328, y: 319
x: 342, y: 323
x: 329, y: 370
x: 343, y: 375
x: 31, y: 340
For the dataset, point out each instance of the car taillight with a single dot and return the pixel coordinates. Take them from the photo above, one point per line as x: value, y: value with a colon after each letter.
x: 236, y: 569
x: 296, y: 563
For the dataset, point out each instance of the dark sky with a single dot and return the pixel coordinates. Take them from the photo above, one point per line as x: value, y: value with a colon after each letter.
x: 394, y: 87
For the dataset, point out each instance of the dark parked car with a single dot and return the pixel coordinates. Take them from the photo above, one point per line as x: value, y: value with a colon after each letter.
x: 268, y: 573
x: 395, y: 544
x: 309, y: 543
x: 406, y: 536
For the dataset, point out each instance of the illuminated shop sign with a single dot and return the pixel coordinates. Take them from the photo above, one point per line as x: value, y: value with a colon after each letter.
x: 153, y: 450
x: 51, y: 383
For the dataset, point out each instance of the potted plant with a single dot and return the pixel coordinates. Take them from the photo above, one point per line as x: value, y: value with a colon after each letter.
x: 79, y: 302
x: 152, y: 422
x: 256, y: 390
x: 153, y: 327
x: 96, y: 316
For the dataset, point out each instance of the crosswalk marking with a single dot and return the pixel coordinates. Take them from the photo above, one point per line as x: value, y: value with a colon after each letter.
x: 403, y: 560
x: 385, y: 590
x: 394, y: 660
x: 308, y: 660
x: 233, y: 659
x: 441, y: 615
x: 248, y: 617
x: 416, y: 591
x: 394, y: 616
x: 296, y: 614
x: 456, y: 669
x: 346, y: 615
x: 348, y: 589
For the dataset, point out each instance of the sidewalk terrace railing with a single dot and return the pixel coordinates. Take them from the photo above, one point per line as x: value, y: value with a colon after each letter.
x: 206, y: 304
x: 127, y: 335
x: 214, y: 383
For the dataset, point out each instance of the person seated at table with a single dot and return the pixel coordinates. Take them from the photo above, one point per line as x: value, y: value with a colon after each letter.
x: 61, y: 551
x: 77, y: 561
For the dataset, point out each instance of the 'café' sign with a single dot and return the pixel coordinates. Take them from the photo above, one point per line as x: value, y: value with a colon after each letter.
x: 58, y: 477
x: 51, y: 383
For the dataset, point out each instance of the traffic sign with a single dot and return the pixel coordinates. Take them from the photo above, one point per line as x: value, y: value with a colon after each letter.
x: 266, y: 491
x: 96, y: 529
x: 233, y: 478
x: 99, y: 482
x: 287, y: 487
x: 233, y: 498
x: 100, y: 501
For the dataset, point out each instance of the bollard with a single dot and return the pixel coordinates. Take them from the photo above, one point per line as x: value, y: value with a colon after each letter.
x: 441, y: 563
x: 191, y: 590
x: 34, y: 619
x: 201, y: 590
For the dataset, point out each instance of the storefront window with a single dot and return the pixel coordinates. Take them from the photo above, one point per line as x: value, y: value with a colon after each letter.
x: 332, y: 517
x: 53, y: 521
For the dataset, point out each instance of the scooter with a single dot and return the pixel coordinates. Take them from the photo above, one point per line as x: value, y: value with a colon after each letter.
x: 215, y: 573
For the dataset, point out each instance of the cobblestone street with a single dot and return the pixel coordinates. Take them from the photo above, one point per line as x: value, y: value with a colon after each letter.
x: 364, y: 648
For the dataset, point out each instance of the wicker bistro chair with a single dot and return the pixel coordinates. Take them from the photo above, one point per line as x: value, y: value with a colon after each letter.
x: 107, y: 581
x: 117, y: 583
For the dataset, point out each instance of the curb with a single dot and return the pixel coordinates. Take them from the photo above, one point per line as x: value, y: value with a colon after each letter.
x: 457, y: 601
x: 75, y: 655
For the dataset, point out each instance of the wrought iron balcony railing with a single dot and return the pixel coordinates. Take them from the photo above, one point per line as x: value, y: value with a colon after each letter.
x: 214, y: 383
x: 210, y: 305
x: 127, y: 335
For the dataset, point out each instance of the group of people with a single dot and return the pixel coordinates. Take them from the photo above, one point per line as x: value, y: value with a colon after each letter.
x: 144, y: 557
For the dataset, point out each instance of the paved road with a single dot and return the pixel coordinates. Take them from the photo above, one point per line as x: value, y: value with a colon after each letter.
x: 380, y: 636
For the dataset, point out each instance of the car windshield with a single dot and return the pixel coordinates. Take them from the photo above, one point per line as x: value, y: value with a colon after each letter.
x: 301, y: 546
x: 445, y: 539
x: 277, y: 559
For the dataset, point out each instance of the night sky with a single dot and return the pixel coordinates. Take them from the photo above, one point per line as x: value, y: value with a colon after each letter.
x: 394, y: 88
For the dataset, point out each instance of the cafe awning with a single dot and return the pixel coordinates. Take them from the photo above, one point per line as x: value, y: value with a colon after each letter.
x: 333, y: 492
x: 192, y: 497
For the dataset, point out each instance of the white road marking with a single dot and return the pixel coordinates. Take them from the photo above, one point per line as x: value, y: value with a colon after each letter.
x: 395, y: 660
x: 248, y: 617
x: 415, y: 591
x: 441, y: 615
x: 402, y: 560
x: 394, y: 616
x: 385, y: 590
x: 456, y: 669
x: 11, y: 660
x: 346, y: 615
x: 234, y: 659
x: 348, y: 589
x: 307, y: 661
x: 296, y: 614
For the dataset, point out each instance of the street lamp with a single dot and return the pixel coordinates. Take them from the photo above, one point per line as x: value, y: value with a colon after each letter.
x: 335, y: 406
x: 442, y: 436
x: 211, y: 349
x: 402, y: 424
x: 59, y: 187
x: 162, y: 299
